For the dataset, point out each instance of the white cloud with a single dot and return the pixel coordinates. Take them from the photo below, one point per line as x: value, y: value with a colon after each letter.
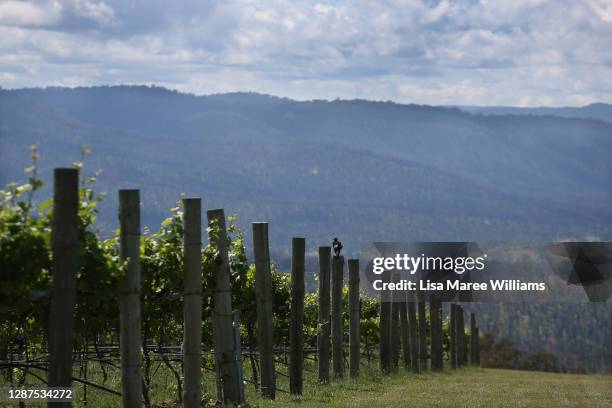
x: 437, y: 52
x: 20, y: 13
x: 99, y: 12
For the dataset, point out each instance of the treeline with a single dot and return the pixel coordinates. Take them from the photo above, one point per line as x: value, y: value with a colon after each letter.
x: 501, y: 353
x: 577, y: 334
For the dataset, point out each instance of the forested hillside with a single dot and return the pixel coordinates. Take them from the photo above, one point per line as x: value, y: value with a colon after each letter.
x: 599, y: 111
x: 358, y: 170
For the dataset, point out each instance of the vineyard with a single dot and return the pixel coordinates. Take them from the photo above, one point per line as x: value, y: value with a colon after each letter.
x: 157, y: 318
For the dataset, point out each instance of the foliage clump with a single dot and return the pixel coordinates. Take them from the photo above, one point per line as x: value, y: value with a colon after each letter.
x: 26, y: 263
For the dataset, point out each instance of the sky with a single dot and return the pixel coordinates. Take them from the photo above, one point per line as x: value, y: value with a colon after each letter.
x: 487, y: 52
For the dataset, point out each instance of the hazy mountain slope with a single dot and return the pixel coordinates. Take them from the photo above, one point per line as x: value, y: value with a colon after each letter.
x: 599, y: 111
x: 392, y: 167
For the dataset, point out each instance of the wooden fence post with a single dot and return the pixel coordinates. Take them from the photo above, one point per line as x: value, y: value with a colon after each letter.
x: 63, y: 293
x: 422, y: 335
x: 263, y: 294
x: 385, y: 327
x: 405, y: 334
x: 452, y: 332
x: 223, y: 332
x: 296, y: 340
x: 337, y: 313
x: 395, y: 335
x: 354, y: 318
x: 414, y: 338
x: 435, y: 320
x: 395, y: 323
x: 192, y: 292
x: 130, y: 336
x: 238, y: 352
x: 477, y: 333
x: 462, y: 353
x: 324, y: 304
x: 458, y: 336
x: 473, y: 338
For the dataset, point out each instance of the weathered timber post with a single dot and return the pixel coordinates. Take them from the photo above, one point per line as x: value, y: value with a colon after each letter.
x: 458, y: 334
x: 296, y: 335
x: 422, y: 335
x: 337, y: 321
x: 477, y: 333
x: 223, y: 332
x: 414, y: 337
x: 354, y: 318
x: 129, y: 338
x: 238, y: 352
x: 192, y: 292
x: 324, y: 304
x: 385, y: 327
x: 458, y: 330
x: 63, y: 292
x: 395, y: 335
x: 466, y: 346
x: 405, y: 334
x: 452, y: 333
x: 435, y: 320
x: 263, y: 293
x: 461, y: 354
x: 473, y: 338
x: 395, y: 329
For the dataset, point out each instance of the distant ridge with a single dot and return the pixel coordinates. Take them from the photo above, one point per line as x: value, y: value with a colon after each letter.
x: 598, y: 111
x: 604, y: 110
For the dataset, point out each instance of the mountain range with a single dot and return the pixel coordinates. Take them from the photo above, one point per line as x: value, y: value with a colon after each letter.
x: 600, y: 111
x: 359, y: 170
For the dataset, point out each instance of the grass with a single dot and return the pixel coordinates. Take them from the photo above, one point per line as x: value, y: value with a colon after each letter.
x: 466, y: 387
